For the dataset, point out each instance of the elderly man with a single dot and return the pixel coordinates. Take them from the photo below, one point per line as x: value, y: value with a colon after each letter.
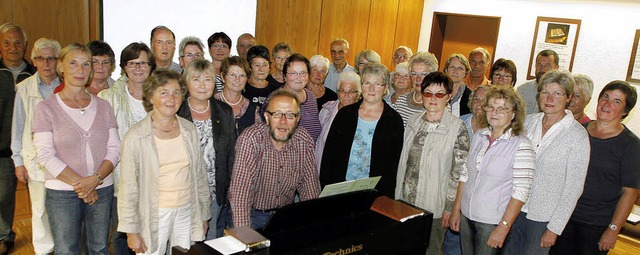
x: 274, y: 160
x: 479, y: 60
x: 13, y: 69
x: 245, y: 42
x: 28, y: 94
x: 163, y: 46
x: 339, y: 55
x: 546, y: 60
x: 190, y: 48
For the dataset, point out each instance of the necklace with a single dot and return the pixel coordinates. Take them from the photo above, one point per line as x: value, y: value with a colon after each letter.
x: 414, y: 98
x: 76, y: 103
x: 225, y: 99
x: 193, y: 109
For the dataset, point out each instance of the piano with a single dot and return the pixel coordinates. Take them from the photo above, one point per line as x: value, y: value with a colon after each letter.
x: 337, y: 225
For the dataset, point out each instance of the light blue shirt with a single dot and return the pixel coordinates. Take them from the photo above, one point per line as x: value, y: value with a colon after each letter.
x: 360, y: 156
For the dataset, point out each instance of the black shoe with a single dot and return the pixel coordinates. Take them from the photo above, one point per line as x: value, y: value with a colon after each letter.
x: 5, y: 247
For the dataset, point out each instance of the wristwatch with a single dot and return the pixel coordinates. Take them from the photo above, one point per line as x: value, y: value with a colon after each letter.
x: 504, y: 223
x: 613, y: 227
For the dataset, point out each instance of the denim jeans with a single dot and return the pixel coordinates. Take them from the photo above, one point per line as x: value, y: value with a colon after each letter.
x: 524, y: 237
x: 579, y: 238
x: 212, y: 233
x: 8, y: 183
x: 451, y: 244
x: 224, y: 220
x: 259, y: 218
x: 474, y: 236
x: 67, y: 213
x: 118, y: 239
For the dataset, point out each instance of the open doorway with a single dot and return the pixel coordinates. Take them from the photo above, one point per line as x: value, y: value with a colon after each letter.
x: 460, y: 33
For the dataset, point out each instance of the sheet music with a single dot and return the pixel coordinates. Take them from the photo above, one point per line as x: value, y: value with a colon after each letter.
x: 350, y: 186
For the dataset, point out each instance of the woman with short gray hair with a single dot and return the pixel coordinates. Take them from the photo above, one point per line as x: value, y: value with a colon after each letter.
x: 581, y: 97
x: 319, y: 71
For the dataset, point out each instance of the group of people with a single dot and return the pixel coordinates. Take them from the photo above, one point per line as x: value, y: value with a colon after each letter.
x: 173, y: 153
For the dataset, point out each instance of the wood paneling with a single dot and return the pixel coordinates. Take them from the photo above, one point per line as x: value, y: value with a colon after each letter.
x: 6, y: 11
x: 310, y: 26
x: 408, y: 25
x: 66, y: 21
x: 291, y: 21
x: 344, y: 19
x: 382, y: 29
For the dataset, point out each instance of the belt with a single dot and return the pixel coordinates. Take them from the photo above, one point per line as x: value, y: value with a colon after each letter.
x: 266, y: 211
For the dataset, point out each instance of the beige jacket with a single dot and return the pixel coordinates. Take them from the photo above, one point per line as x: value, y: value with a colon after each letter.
x: 138, y: 196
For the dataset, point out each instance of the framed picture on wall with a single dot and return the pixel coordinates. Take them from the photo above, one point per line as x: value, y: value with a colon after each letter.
x: 633, y: 73
x: 559, y: 35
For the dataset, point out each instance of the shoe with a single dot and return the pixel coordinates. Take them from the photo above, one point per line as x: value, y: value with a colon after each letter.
x: 5, y: 247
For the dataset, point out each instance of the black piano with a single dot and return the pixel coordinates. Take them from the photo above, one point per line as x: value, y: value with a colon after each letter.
x: 338, y: 225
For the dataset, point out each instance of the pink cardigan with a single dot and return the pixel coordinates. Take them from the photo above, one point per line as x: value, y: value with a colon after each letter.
x: 61, y: 141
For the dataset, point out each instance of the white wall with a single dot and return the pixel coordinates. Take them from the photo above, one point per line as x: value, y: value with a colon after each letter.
x: 127, y: 21
x: 604, y: 45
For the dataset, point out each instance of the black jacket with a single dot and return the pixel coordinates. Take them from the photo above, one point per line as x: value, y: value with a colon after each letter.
x: 385, y: 148
x: 224, y: 142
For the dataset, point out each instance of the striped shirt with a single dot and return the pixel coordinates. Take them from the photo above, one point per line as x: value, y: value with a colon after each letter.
x: 266, y: 178
x: 309, y: 116
x: 405, y: 108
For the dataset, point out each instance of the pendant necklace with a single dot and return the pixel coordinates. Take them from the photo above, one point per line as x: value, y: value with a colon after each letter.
x: 74, y: 101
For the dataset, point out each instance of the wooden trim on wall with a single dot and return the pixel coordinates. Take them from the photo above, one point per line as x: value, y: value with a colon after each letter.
x: 95, y: 20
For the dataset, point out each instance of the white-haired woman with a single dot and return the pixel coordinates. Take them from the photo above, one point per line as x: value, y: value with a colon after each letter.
x: 420, y: 65
x: 349, y: 91
x: 365, y: 57
x: 319, y: 71
x: 581, y: 97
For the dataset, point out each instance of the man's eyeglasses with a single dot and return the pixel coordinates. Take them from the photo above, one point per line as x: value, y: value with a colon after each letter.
x: 288, y: 115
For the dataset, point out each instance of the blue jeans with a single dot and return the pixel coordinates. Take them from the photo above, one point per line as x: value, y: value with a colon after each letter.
x: 224, y: 220
x: 118, y: 239
x: 524, y: 237
x: 451, y: 244
x: 474, y: 236
x: 212, y: 233
x: 8, y: 183
x: 67, y: 213
x: 259, y: 219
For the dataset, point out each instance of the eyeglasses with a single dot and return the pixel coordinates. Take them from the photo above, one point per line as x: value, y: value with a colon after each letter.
x: 499, y: 110
x: 298, y: 74
x: 430, y: 95
x: 193, y: 56
x: 350, y: 92
x: 219, y: 46
x: 48, y: 59
x: 497, y: 76
x: 453, y: 69
x: 552, y: 94
x: 281, y: 58
x: 375, y: 84
x: 401, y: 76
x: 279, y: 115
x: 237, y: 76
x: 101, y: 63
x: 400, y: 56
x: 141, y: 64
x: 361, y: 63
x: 416, y: 74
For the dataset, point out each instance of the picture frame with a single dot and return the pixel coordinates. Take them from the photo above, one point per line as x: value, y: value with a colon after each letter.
x: 557, y: 34
x: 633, y: 73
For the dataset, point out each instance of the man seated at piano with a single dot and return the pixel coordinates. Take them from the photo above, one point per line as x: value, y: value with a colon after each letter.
x: 274, y: 160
